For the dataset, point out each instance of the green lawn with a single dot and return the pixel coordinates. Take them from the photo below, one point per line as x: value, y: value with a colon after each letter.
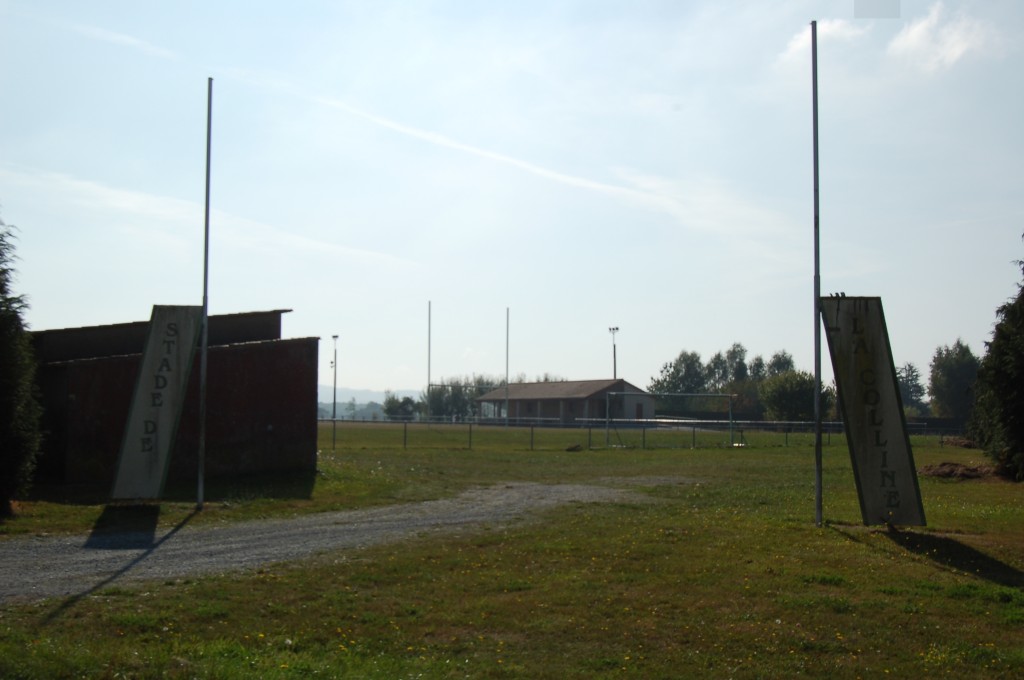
x: 722, y: 574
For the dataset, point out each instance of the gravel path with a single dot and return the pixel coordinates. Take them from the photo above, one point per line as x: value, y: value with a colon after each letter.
x: 33, y: 568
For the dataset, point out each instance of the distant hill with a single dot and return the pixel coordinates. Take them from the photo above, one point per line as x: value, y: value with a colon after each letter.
x: 370, y: 411
x: 325, y: 395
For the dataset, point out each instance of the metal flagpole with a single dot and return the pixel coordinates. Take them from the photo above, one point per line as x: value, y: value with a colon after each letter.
x: 206, y: 305
x: 817, y: 283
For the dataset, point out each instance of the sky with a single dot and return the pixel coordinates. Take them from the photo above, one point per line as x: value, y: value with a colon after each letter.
x: 447, y: 185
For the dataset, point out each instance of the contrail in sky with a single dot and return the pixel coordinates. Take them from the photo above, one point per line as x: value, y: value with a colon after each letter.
x: 650, y: 199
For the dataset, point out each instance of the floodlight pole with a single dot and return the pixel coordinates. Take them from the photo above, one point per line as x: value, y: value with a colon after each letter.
x: 817, y: 283
x: 334, y: 408
x: 615, y: 363
x: 205, y: 336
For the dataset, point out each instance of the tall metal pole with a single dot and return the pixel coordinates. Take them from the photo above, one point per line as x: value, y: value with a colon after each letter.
x: 334, y: 409
x: 615, y: 362
x: 428, y: 360
x: 506, y: 364
x: 205, y: 336
x: 817, y: 284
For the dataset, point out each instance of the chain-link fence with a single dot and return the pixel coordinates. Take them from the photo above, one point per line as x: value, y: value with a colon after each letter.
x: 548, y: 434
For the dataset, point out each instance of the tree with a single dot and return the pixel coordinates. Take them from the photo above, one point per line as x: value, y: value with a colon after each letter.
x: 725, y: 372
x: 736, y: 359
x: 456, y: 397
x: 746, y: 403
x: 399, y: 409
x: 790, y: 396
x: 685, y: 374
x: 392, y: 404
x: 953, y: 373
x: 20, y: 412
x: 911, y: 390
x: 435, y: 401
x: 781, y: 362
x: 757, y: 369
x: 998, y: 418
x: 716, y: 373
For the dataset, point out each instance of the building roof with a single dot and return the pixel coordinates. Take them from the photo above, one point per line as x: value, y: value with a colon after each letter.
x: 91, y: 342
x: 567, y: 389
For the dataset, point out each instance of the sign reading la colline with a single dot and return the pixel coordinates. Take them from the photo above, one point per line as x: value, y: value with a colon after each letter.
x: 872, y: 411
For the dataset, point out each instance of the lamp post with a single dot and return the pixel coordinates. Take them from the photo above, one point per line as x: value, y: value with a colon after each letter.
x: 615, y: 369
x: 334, y: 409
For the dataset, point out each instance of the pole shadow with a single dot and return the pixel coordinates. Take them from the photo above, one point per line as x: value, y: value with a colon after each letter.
x: 954, y: 555
x: 110, y: 538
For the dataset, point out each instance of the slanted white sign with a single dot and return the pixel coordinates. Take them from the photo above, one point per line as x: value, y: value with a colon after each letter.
x: 869, y: 396
x: 157, y: 403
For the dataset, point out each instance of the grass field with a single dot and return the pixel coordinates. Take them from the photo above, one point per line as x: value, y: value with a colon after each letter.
x: 723, y: 574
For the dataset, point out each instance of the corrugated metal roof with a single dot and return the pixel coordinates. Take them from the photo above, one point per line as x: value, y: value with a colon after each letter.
x: 568, y: 389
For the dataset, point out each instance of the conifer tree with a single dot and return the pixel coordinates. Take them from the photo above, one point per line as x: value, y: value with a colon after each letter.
x: 998, y: 418
x: 19, y: 407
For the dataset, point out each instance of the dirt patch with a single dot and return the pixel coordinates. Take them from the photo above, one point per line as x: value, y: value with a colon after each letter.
x: 961, y: 442
x: 958, y: 471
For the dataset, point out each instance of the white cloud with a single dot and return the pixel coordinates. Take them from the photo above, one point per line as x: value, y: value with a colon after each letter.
x: 123, y: 40
x: 443, y: 141
x: 272, y: 240
x: 164, y: 221
x: 936, y: 42
x: 695, y: 207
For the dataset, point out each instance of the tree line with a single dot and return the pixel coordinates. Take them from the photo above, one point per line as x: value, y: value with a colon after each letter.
x: 776, y: 390
x: 772, y: 389
x: 983, y: 395
x: 452, y: 398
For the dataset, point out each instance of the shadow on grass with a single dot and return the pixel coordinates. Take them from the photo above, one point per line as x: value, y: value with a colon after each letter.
x: 109, y: 537
x: 953, y: 554
x: 122, y: 527
x: 279, y: 486
x: 287, y: 485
